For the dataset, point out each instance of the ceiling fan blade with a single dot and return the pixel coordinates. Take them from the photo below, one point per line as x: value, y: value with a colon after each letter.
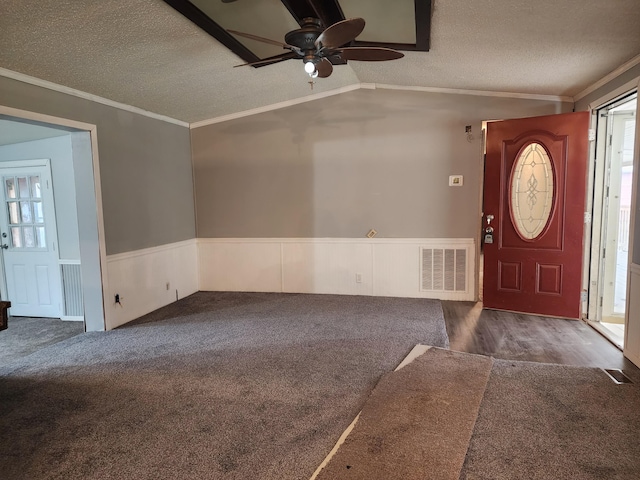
x: 261, y: 39
x: 324, y: 68
x: 370, y: 54
x: 274, y: 59
x: 340, y: 33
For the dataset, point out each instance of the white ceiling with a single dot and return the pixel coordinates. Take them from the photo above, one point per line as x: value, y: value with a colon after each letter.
x: 145, y: 54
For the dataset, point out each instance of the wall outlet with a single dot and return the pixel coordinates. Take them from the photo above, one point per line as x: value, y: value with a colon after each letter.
x: 358, y: 278
x: 168, y: 286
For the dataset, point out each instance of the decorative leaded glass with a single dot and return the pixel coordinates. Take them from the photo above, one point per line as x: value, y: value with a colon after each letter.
x: 532, y: 191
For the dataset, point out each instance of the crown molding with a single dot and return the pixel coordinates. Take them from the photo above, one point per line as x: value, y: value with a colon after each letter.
x: 374, y: 86
x: 607, y: 78
x: 308, y: 98
x: 479, y: 93
x: 276, y: 106
x: 21, y: 77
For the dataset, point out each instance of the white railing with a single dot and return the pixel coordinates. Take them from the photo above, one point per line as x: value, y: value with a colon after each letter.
x: 623, y: 228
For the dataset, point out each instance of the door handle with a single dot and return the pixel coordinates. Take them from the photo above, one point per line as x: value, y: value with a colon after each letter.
x: 4, y: 246
x: 488, y: 231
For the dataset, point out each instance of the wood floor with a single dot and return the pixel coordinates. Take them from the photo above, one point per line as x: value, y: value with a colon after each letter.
x: 513, y: 336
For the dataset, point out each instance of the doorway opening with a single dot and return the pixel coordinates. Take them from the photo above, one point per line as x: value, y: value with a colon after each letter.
x: 612, y: 174
x: 61, y: 153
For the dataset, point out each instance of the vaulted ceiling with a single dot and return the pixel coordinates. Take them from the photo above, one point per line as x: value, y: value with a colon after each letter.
x: 146, y: 54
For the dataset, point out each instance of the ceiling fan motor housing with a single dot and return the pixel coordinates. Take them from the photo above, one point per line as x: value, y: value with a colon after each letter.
x: 305, y: 37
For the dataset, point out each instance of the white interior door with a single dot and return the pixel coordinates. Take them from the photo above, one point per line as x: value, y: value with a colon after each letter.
x: 29, y: 238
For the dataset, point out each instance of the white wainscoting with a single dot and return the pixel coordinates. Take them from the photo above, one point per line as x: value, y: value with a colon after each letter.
x: 632, y: 330
x: 386, y: 267
x: 140, y: 278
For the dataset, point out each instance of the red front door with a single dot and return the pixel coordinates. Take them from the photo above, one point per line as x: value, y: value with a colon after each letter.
x: 535, y: 182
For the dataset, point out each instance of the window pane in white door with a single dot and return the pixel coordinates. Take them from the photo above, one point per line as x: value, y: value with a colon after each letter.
x: 23, y: 187
x: 38, y: 214
x: 41, y: 240
x: 25, y: 209
x: 16, y: 237
x: 14, y: 215
x: 29, y: 238
x: 35, y: 186
x: 11, y: 187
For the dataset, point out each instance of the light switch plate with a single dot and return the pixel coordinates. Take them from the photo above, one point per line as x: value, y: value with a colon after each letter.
x: 455, y: 180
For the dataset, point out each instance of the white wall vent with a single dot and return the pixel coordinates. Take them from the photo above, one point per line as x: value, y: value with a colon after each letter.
x: 443, y: 270
x: 72, y: 290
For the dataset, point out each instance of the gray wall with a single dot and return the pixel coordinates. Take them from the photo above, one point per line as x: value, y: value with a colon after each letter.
x: 339, y: 166
x: 145, y: 167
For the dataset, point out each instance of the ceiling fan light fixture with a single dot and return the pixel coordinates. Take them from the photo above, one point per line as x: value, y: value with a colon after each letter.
x: 309, y: 67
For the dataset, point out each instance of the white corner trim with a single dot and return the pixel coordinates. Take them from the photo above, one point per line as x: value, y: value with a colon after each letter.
x: 21, y: 77
x: 276, y: 106
x: 607, y: 78
x: 479, y: 93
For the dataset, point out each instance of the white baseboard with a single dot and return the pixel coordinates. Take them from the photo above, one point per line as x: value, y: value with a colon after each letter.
x: 140, y: 279
x: 385, y: 267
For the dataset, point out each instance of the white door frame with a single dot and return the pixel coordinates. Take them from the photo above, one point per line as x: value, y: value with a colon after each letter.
x: 593, y: 107
x: 95, y: 320
x: 599, y: 178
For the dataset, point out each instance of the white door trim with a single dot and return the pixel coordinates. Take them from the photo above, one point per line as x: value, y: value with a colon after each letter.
x: 93, y: 133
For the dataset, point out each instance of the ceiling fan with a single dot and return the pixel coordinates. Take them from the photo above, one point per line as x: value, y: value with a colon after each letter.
x: 319, y: 48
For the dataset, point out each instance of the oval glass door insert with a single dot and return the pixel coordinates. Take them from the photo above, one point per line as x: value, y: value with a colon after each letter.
x: 532, y: 191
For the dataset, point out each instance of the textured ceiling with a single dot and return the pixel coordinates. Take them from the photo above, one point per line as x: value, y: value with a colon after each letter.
x: 145, y: 54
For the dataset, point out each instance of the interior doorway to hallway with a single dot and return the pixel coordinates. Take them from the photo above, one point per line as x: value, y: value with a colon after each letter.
x: 611, y: 214
x: 81, y: 248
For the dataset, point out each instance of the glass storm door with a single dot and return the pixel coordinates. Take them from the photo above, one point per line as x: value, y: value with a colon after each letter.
x: 28, y: 234
x: 534, y: 200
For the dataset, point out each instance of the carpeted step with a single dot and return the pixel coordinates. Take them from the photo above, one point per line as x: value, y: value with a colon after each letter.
x: 417, y: 423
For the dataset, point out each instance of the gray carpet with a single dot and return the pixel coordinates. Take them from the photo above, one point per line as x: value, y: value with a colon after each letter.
x: 514, y: 420
x: 218, y: 385
x: 26, y: 335
x: 418, y: 421
x: 540, y: 421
